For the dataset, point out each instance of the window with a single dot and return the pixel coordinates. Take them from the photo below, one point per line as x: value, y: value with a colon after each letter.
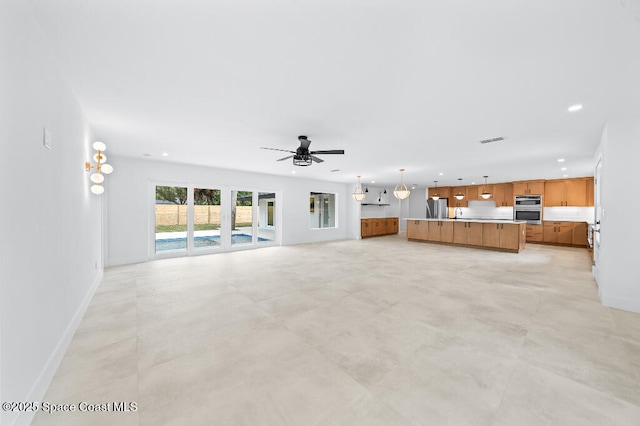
x: 322, y: 210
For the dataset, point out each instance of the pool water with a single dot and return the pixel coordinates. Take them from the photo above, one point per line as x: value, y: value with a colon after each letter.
x: 199, y: 242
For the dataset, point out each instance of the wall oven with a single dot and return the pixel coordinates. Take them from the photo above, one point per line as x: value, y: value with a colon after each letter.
x: 528, y: 208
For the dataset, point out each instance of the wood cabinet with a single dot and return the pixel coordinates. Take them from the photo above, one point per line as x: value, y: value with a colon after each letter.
x: 418, y: 230
x: 443, y: 192
x: 453, y: 201
x: 503, y: 235
x: 529, y: 187
x: 590, y: 189
x: 558, y: 232
x: 440, y: 231
x: 503, y: 194
x: 566, y: 192
x: 467, y: 233
x: 579, y: 234
x: 375, y: 227
x: 499, y: 236
x: 534, y: 233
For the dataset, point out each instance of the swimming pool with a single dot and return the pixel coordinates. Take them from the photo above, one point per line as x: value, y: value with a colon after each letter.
x: 199, y: 242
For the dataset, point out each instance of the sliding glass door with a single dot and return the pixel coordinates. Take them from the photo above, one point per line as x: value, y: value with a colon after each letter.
x: 171, y: 219
x: 201, y: 219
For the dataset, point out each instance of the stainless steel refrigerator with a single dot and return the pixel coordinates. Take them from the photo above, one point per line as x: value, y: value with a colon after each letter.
x: 437, y: 209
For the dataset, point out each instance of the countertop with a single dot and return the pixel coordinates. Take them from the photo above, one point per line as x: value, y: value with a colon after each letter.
x: 468, y: 220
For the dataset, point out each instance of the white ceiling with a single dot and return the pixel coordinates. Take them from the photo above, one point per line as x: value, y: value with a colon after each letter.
x: 412, y: 84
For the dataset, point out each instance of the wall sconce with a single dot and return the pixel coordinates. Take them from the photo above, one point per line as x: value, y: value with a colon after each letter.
x: 101, y: 167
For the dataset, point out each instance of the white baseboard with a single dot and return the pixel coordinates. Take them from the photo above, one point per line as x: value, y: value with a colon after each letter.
x: 623, y: 303
x: 39, y: 389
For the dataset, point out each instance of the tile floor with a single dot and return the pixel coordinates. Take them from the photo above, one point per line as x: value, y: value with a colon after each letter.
x: 374, y: 332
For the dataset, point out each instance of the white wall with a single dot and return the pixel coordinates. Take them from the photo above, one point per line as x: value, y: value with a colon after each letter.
x: 130, y: 203
x: 51, y: 246
x: 616, y: 268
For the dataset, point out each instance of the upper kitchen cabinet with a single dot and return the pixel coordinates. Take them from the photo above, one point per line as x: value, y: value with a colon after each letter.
x: 473, y: 193
x: 530, y: 187
x: 590, y: 191
x: 454, y: 202
x: 503, y: 194
x: 443, y: 192
x: 566, y: 192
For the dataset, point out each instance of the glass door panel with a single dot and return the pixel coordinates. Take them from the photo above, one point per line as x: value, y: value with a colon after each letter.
x: 206, y: 218
x: 170, y: 219
x: 266, y: 217
x: 241, y: 217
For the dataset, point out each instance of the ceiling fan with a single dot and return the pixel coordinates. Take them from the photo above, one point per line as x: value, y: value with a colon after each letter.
x: 302, y: 156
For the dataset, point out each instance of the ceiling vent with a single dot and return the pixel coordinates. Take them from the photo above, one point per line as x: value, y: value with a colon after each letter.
x: 492, y: 140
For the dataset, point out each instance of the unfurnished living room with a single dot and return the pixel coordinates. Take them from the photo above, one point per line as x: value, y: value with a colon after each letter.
x: 319, y: 213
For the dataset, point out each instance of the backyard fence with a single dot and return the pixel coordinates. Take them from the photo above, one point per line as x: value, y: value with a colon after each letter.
x: 176, y: 214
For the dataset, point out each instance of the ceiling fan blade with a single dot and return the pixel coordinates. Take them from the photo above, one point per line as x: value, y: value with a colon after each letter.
x: 285, y: 158
x: 276, y: 149
x: 316, y: 159
x: 331, y: 151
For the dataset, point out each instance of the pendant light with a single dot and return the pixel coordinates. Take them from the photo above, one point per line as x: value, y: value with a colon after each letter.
x: 485, y: 194
x: 435, y: 195
x: 459, y: 196
x: 358, y: 194
x: 401, y: 191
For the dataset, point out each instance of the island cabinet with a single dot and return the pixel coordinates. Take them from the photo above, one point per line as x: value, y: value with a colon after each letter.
x: 503, y: 194
x: 510, y: 236
x: 375, y: 227
x: 529, y: 187
x: 418, y: 230
x: 440, y: 231
x: 566, y: 192
x: 467, y: 233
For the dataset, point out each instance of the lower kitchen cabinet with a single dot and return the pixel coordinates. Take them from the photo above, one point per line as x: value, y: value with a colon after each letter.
x: 535, y: 233
x: 375, y: 227
x: 565, y: 233
x: 503, y: 235
x: 440, y: 231
x: 495, y: 236
x: 467, y: 233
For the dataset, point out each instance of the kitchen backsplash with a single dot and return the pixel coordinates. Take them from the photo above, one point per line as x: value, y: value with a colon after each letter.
x: 486, y: 210
x: 573, y: 214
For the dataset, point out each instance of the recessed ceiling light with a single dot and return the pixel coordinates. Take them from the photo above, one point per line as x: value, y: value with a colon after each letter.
x: 441, y: 174
x: 565, y: 176
x: 373, y: 181
x: 165, y: 154
x: 293, y: 172
x: 574, y: 108
x: 563, y: 168
x: 560, y: 160
x: 473, y: 183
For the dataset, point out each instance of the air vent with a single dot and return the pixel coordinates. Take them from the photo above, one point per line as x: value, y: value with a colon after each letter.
x: 492, y: 140
x: 335, y: 170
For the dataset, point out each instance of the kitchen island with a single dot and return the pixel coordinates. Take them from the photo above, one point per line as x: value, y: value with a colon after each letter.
x: 504, y: 235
